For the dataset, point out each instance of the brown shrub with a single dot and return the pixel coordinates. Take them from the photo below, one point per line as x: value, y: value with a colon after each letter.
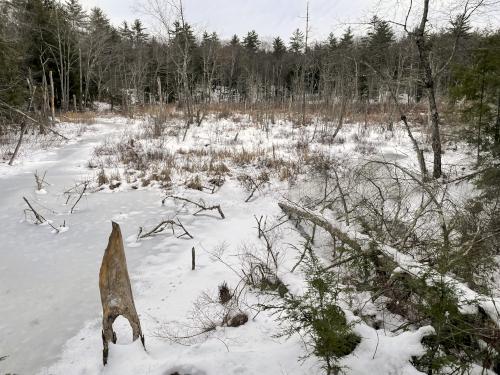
x: 224, y: 293
x: 195, y: 183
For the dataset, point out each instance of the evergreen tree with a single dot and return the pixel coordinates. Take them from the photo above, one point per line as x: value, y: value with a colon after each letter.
x: 235, y: 41
x: 12, y: 90
x: 380, y: 36
x: 478, y: 84
x: 297, y: 41
x: 124, y: 30
x: 347, y: 39
x: 332, y: 41
x: 251, y: 42
x: 76, y: 15
x: 279, y: 48
x: 138, y: 33
x: 182, y: 34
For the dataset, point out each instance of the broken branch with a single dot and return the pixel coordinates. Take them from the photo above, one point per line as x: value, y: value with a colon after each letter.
x: 201, y: 205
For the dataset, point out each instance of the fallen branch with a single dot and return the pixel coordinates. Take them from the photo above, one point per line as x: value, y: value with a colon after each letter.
x: 252, y: 185
x: 201, y: 205
x: 256, y: 186
x: 161, y: 227
x: 294, y: 210
x: 32, y: 119
x: 39, y: 218
x: 466, y: 297
x: 81, y: 195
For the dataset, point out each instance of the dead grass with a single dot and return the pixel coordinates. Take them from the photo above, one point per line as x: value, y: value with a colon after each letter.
x: 87, y: 117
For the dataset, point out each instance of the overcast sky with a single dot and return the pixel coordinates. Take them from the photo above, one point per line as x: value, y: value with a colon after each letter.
x: 270, y: 17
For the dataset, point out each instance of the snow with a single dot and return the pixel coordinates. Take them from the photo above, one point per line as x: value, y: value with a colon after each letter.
x: 379, y: 353
x: 59, y: 330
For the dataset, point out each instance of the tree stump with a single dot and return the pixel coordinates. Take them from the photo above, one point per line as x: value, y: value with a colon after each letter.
x: 116, y: 292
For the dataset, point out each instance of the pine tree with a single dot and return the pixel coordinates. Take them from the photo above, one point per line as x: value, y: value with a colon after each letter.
x: 12, y: 89
x: 332, y: 41
x: 478, y: 84
x: 235, y: 41
x: 279, y: 48
x: 380, y: 36
x: 347, y: 39
x: 297, y: 41
x: 251, y: 42
x: 182, y: 34
x: 77, y: 17
x: 138, y: 32
x: 124, y: 30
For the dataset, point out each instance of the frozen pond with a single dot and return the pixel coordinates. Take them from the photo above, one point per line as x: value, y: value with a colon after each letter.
x: 49, y: 282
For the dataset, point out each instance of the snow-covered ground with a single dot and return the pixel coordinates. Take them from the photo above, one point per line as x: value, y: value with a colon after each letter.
x: 50, y: 306
x: 48, y: 282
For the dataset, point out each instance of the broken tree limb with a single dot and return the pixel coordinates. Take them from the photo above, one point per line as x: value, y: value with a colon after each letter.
x: 161, y: 227
x: 18, y: 145
x: 469, y: 301
x: 256, y: 186
x: 252, y: 184
x: 294, y: 210
x: 201, y: 205
x: 32, y: 119
x: 39, y: 218
x: 85, y: 184
x: 116, y: 292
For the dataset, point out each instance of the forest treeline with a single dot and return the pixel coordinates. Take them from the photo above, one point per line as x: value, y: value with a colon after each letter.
x: 55, y: 55
x: 91, y: 60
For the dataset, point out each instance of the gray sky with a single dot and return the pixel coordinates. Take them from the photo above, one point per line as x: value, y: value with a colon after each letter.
x: 273, y: 17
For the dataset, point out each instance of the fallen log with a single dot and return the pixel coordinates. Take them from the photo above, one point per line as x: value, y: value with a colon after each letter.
x: 470, y: 302
x: 392, y: 269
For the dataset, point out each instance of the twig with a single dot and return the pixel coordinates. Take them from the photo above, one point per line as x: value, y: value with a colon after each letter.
x: 81, y: 195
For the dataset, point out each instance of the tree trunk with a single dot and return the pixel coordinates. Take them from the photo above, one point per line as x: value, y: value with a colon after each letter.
x: 423, y: 53
x: 497, y: 123
x: 18, y: 146
x: 52, y: 104
x: 480, y: 120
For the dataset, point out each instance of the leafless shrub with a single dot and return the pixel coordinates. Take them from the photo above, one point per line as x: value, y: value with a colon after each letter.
x: 252, y: 184
x: 40, y: 180
x: 102, y: 178
x: 194, y: 183
x: 207, y: 314
x: 163, y: 175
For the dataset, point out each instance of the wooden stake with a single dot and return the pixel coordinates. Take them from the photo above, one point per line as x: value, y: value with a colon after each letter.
x: 193, y: 259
